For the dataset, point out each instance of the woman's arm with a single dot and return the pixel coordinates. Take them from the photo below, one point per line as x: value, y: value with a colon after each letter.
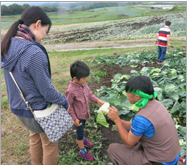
x: 39, y: 73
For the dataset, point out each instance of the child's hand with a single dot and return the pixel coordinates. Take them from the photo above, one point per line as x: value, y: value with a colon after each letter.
x: 77, y: 123
x: 100, y: 102
x: 68, y: 108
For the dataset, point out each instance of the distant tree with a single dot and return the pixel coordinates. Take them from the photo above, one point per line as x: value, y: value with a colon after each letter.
x: 174, y: 8
x: 50, y: 9
x: 83, y: 8
x: 54, y: 9
x: 5, y: 10
x: 25, y: 6
x: 16, y: 9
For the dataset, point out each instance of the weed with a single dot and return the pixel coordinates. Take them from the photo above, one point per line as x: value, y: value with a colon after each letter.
x: 21, y: 148
x: 97, y: 75
x: 4, y: 102
x: 101, y: 73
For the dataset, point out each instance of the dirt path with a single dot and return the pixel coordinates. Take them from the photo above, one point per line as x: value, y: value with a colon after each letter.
x: 99, y: 45
x: 104, y: 44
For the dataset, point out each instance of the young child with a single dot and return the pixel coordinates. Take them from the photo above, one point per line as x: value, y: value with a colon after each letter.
x: 78, y: 95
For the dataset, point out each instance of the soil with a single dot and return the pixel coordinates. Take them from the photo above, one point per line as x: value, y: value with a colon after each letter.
x: 99, y: 45
x: 108, y: 136
x: 104, y: 44
x: 61, y: 34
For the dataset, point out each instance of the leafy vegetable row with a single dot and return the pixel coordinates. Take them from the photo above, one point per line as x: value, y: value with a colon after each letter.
x: 169, y: 82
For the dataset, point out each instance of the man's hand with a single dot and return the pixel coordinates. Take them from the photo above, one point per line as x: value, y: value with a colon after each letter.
x: 169, y: 45
x: 100, y: 102
x: 77, y: 122
x: 168, y: 40
x: 113, y: 114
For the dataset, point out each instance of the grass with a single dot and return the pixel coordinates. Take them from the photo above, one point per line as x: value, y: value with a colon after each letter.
x: 69, y: 156
x: 109, y: 13
x: 15, y: 137
x: 12, y: 129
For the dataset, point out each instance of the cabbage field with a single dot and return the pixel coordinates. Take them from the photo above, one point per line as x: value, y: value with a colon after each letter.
x: 169, y: 82
x: 110, y: 70
x: 131, y: 28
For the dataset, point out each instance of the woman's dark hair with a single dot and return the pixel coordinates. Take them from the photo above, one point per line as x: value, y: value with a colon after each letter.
x: 29, y: 16
x: 167, y: 23
x: 142, y: 83
x: 79, y: 70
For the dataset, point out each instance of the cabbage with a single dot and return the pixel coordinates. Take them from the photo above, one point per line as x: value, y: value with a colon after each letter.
x: 103, y: 110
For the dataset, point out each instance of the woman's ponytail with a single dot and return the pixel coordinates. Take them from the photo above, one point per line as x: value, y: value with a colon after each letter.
x: 7, y: 38
x: 29, y: 16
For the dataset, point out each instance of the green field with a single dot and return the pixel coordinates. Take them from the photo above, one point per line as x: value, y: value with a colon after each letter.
x: 106, y: 24
x: 99, y: 14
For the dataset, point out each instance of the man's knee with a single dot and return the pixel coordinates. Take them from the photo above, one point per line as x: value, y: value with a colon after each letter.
x: 112, y: 148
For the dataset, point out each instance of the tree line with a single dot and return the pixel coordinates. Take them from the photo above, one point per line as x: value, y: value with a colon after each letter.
x: 16, y: 9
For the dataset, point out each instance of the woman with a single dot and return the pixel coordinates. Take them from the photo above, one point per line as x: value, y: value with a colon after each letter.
x: 27, y: 59
x: 151, y: 138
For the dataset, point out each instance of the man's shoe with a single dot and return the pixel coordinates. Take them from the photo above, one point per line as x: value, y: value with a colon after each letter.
x: 159, y: 63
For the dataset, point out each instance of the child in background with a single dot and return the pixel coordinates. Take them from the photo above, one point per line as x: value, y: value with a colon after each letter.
x: 78, y: 95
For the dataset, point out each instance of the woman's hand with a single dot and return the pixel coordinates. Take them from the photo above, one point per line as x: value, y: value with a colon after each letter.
x: 113, y: 114
x: 100, y: 102
x: 77, y: 123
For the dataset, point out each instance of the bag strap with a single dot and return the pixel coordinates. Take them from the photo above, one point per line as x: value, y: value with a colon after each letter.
x: 21, y: 94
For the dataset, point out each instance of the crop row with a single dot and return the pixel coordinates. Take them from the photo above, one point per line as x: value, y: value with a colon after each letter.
x: 169, y: 82
x: 138, y: 27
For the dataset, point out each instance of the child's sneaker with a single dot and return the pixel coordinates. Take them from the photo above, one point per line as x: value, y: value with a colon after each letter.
x: 88, y: 156
x: 87, y: 143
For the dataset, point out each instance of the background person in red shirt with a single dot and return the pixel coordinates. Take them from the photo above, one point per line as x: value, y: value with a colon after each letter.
x: 163, y: 40
x: 78, y: 95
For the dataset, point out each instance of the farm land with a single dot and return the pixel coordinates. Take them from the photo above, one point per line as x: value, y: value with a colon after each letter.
x: 117, y: 43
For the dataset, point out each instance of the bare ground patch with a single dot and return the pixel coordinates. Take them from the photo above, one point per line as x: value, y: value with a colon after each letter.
x: 104, y: 44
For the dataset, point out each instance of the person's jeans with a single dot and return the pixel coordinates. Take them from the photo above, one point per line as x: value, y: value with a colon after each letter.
x: 161, y: 53
x: 43, y: 152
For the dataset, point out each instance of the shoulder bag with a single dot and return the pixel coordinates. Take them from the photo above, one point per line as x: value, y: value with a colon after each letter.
x: 55, y: 120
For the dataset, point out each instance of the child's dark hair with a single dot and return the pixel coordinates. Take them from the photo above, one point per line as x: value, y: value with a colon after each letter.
x: 79, y: 70
x: 142, y: 83
x: 29, y: 16
x: 167, y: 23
